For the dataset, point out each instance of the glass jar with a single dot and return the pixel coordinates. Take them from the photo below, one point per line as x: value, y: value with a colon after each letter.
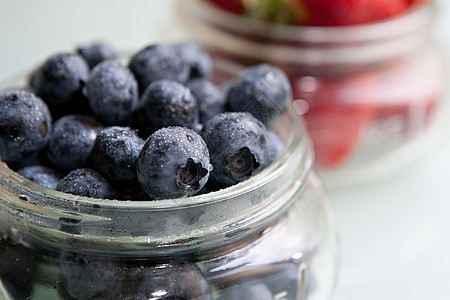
x: 372, y: 95
x: 270, y: 237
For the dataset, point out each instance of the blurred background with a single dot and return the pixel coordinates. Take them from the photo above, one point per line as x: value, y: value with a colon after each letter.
x: 393, y: 231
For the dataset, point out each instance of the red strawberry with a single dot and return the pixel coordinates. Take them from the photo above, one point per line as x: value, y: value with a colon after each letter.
x: 319, y: 12
x: 339, y: 110
x: 415, y: 2
x: 349, y: 12
x: 275, y: 11
x: 234, y: 6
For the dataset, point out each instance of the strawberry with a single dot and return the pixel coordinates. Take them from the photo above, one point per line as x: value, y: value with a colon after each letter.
x: 416, y: 2
x: 318, y: 12
x: 338, y: 111
x: 234, y: 6
x: 275, y: 11
x: 350, y: 12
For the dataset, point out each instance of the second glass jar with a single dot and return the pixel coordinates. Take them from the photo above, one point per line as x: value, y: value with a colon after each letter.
x: 372, y: 95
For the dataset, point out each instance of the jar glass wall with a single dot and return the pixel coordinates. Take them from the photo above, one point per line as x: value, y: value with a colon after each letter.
x: 269, y: 236
x: 372, y: 95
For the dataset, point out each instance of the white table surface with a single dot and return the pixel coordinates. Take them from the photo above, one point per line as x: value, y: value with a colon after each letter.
x: 394, y: 233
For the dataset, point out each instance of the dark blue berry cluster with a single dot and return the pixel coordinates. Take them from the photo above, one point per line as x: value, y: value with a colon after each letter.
x: 90, y: 125
x: 97, y: 277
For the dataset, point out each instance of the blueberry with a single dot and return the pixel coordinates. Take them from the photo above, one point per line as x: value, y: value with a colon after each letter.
x: 158, y: 62
x: 262, y: 90
x: 166, y: 103
x: 199, y: 62
x: 275, y: 145
x: 165, y: 281
x: 32, y: 77
x: 173, y: 163
x: 134, y: 194
x: 86, y: 182
x: 88, y: 277
x: 115, y: 153
x: 96, y: 53
x: 210, y: 187
x: 112, y: 92
x: 238, y: 146
x: 18, y: 270
x: 42, y: 175
x: 210, y: 98
x: 71, y: 141
x: 60, y: 79
x: 25, y: 123
x: 226, y: 86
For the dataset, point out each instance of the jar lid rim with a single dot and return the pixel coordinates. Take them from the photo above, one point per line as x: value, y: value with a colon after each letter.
x: 245, y: 38
x: 413, y: 19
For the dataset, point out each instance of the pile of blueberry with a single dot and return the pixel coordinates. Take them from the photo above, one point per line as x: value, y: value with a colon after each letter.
x: 156, y: 128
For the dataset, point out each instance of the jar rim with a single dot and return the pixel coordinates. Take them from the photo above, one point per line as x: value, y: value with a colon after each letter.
x: 246, y: 38
x: 413, y: 19
x: 37, y: 215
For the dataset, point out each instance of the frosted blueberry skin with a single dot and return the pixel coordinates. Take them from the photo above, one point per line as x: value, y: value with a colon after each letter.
x: 96, y: 53
x: 71, y: 141
x: 86, y: 182
x: 114, y: 154
x: 198, y: 60
x: 166, y: 103
x: 60, y: 78
x: 41, y: 175
x: 173, y: 163
x: 262, y: 90
x: 237, y: 143
x: 158, y: 62
x: 174, y: 281
x: 134, y: 194
x: 210, y: 98
x: 25, y: 124
x: 275, y: 146
x: 112, y: 92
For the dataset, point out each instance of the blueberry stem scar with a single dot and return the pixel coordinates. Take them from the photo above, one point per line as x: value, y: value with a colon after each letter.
x: 242, y: 163
x: 191, y: 173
